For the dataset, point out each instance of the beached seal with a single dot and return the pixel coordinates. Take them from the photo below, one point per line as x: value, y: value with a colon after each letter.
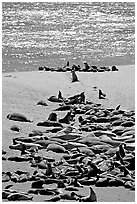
x: 18, y: 117
x: 74, y: 76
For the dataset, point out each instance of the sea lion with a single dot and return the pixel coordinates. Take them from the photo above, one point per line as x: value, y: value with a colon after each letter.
x: 102, y: 182
x: 90, y: 198
x: 7, y: 192
x: 54, y: 199
x: 49, y: 124
x: 18, y: 117
x: 52, y: 117
x: 37, y: 184
x: 114, y: 68
x: 33, y: 191
x: 88, y: 182
x: 128, y: 124
x: 60, y: 95
x: 86, y: 66
x: 74, y: 76
x: 18, y: 146
x: 6, y: 176
x: 55, y: 99
x: 56, y: 148
x: 19, y: 196
x: 20, y: 158
x: 46, y: 192
x: 35, y: 132
x: 42, y: 103
x: 15, y: 128
x: 66, y: 119
x: 64, y: 108
x: 101, y: 95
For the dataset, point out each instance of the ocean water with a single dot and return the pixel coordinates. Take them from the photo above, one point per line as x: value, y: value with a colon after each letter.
x: 49, y: 34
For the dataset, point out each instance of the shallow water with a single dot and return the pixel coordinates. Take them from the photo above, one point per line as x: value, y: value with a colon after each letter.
x: 49, y: 34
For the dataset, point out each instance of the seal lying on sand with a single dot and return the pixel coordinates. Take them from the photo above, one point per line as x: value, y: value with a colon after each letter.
x: 18, y: 117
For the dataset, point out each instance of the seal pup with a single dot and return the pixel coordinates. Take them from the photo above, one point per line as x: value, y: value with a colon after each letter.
x: 74, y: 76
x: 90, y: 198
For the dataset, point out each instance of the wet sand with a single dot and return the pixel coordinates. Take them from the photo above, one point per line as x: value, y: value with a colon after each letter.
x: 22, y: 90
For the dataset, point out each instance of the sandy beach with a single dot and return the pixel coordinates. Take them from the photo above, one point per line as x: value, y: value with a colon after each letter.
x: 22, y: 90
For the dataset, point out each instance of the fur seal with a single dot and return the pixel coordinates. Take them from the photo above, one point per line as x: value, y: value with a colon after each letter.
x: 18, y: 117
x: 74, y: 76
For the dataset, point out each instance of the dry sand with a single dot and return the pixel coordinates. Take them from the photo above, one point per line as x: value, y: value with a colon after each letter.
x: 22, y: 90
